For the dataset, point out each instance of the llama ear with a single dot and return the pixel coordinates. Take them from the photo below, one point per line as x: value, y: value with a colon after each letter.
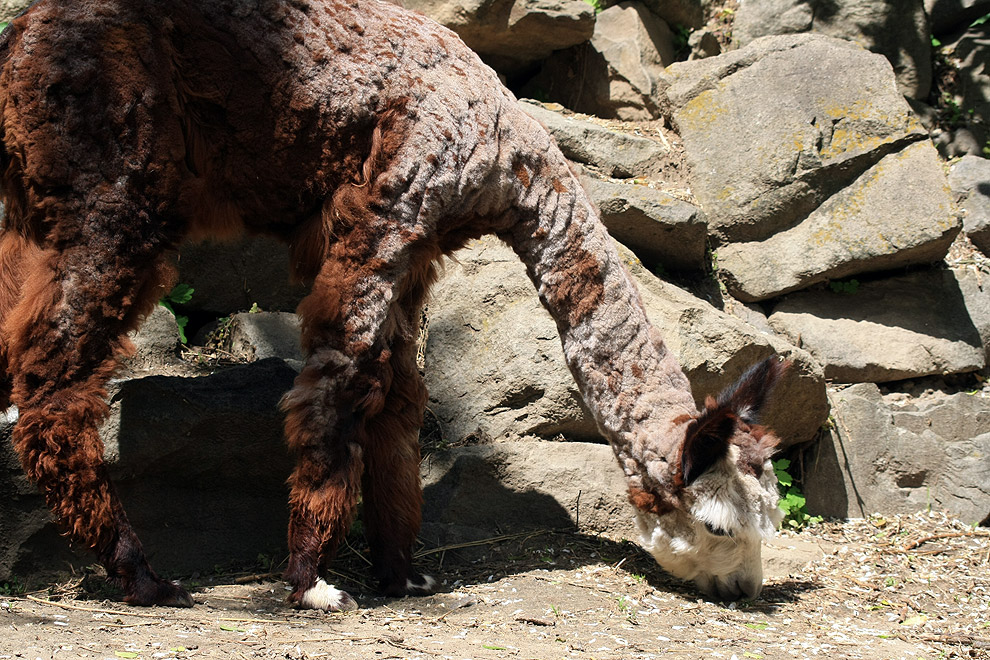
x: 747, y: 397
x: 707, y: 441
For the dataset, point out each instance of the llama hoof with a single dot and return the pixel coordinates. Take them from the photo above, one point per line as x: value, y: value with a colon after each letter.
x: 323, y: 596
x: 161, y: 593
x: 420, y: 585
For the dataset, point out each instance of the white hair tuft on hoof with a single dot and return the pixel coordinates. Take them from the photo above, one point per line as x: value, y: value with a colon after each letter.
x: 323, y: 596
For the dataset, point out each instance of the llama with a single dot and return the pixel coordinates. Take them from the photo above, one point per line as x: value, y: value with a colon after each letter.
x: 373, y: 142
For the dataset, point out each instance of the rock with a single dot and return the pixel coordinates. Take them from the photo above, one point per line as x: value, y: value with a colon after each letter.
x: 495, y: 368
x: 970, y: 181
x: 899, y: 31
x: 891, y: 329
x: 480, y: 491
x: 510, y: 34
x: 494, y: 365
x: 662, y: 230
x: 686, y: 13
x: 703, y: 43
x: 231, y: 277
x: 200, y: 465
x: 9, y: 9
x: 156, y: 343
x: 798, y: 180
x: 975, y: 288
x: 950, y: 15
x: 890, y: 458
x: 614, y: 75
x: 715, y: 349
x: 615, y: 154
x: 870, y: 225
x: 968, y: 105
x: 261, y: 335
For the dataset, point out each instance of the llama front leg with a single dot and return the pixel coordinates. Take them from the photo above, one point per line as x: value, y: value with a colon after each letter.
x: 61, y: 336
x: 343, y: 322
x: 393, y: 494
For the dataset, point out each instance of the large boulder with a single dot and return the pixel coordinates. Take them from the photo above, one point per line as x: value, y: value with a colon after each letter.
x: 611, y: 152
x: 969, y: 179
x: 477, y: 491
x: 892, y: 329
x: 897, y: 30
x: 615, y: 74
x: 802, y: 171
x: 495, y: 368
x: 667, y: 233
x: 510, y: 34
x: 232, y: 276
x: 897, y: 455
x: 200, y: 465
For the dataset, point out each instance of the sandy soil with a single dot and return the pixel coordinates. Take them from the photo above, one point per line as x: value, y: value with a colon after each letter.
x: 904, y: 587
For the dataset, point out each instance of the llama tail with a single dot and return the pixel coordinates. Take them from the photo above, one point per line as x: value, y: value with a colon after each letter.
x: 627, y: 375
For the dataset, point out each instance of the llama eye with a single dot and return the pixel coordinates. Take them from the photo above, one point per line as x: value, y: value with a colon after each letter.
x: 716, y: 531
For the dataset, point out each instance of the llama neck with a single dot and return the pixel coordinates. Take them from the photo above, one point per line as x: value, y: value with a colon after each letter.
x: 628, y: 377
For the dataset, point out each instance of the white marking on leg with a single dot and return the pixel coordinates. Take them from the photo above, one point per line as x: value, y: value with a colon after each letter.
x: 426, y: 585
x: 323, y: 596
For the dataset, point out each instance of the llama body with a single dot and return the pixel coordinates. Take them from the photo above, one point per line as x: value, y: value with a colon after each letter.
x: 372, y: 141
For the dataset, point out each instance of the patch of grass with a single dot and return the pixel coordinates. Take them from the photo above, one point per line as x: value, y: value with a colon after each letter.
x: 792, y: 500
x: 179, y: 295
x: 12, y: 587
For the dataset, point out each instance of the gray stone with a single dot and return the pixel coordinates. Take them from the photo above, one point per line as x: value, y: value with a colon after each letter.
x: 869, y: 225
x: 509, y: 34
x: 662, y: 230
x: 480, y: 491
x: 686, y: 13
x: 494, y: 365
x: 615, y: 74
x: 974, y: 285
x: 891, y: 329
x: 615, y: 154
x: 156, y: 343
x: 256, y: 336
x: 703, y: 43
x: 9, y: 9
x: 892, y: 457
x: 769, y: 138
x: 950, y: 15
x: 233, y: 276
x: 715, y: 349
x: 969, y: 104
x: 899, y: 31
x: 200, y: 465
x: 970, y: 181
x: 495, y: 368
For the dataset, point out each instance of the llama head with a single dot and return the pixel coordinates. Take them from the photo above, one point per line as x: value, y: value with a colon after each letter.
x: 708, y: 528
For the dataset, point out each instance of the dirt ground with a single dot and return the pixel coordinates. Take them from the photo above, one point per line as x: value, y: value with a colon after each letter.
x: 901, y: 587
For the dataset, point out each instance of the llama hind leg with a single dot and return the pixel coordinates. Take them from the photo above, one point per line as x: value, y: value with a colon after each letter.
x: 62, y: 336
x: 393, y: 494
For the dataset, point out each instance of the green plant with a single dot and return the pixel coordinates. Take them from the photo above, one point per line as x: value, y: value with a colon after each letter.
x: 179, y: 295
x: 597, y: 5
x: 792, y: 500
x: 848, y: 287
x: 681, y: 35
x: 12, y: 587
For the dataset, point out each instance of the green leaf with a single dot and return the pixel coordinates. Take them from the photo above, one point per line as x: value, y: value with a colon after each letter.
x: 757, y: 626
x: 492, y: 647
x: 230, y: 627
x: 126, y: 654
x: 180, y: 293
